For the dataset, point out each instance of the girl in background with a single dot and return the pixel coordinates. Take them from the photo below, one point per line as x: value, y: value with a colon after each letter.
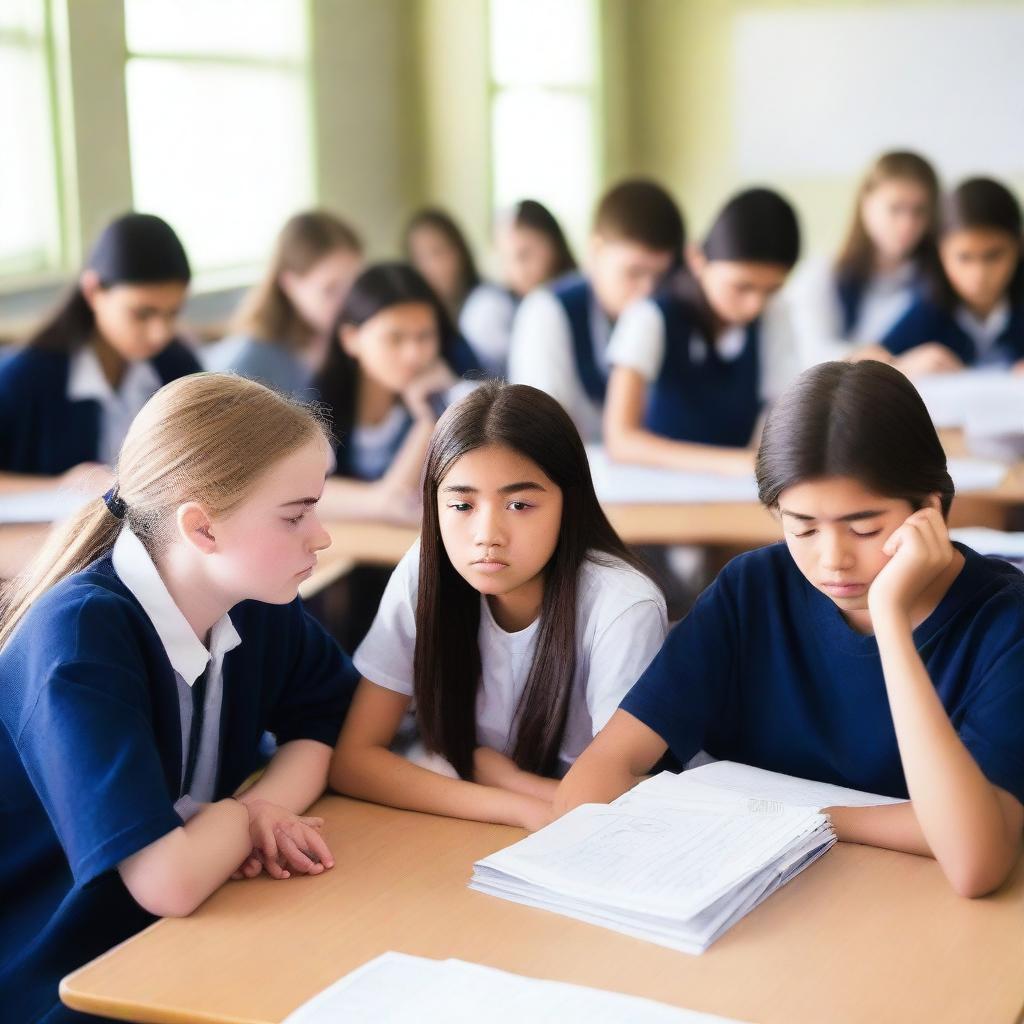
x: 68, y: 397
x: 973, y: 315
x: 888, y: 255
x: 532, y: 251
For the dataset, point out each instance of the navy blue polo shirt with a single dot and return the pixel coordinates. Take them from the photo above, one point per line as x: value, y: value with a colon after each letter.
x: 90, y: 760
x: 766, y: 671
x: 42, y: 431
x: 924, y: 321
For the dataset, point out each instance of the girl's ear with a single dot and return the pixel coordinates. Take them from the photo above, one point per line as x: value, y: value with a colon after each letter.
x: 348, y: 339
x: 89, y: 284
x: 695, y: 258
x: 196, y: 528
x: 933, y: 501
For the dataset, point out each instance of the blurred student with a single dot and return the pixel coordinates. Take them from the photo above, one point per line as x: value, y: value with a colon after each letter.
x: 693, y: 367
x: 69, y: 396
x: 281, y: 333
x: 888, y: 255
x: 560, y: 334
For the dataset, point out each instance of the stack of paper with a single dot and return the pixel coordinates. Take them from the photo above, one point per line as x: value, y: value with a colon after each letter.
x: 45, y: 506
x: 676, y: 861
x: 400, y: 988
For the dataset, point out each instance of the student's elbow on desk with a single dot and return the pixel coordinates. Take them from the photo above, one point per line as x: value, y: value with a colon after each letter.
x: 159, y: 878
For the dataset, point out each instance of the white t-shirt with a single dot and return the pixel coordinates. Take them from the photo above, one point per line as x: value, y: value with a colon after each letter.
x: 818, y: 314
x: 486, y: 323
x: 638, y: 342
x: 542, y: 355
x: 621, y: 625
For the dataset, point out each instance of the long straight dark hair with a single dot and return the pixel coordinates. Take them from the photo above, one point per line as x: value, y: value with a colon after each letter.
x: 755, y: 226
x: 987, y: 205
x: 528, y: 213
x: 856, y: 261
x: 136, y: 248
x: 447, y: 659
x: 444, y: 223
x: 376, y: 289
x: 862, y: 420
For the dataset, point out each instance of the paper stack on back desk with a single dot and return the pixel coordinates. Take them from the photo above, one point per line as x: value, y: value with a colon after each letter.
x: 679, y: 859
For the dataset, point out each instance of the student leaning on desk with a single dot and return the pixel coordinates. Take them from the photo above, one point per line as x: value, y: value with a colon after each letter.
x: 867, y: 650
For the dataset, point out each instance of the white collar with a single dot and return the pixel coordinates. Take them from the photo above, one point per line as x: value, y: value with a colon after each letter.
x: 86, y: 379
x: 991, y: 327
x: 186, y: 653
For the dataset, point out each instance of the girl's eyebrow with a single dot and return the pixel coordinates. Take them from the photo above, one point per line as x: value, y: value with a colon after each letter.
x: 522, y: 485
x: 299, y: 501
x: 851, y: 518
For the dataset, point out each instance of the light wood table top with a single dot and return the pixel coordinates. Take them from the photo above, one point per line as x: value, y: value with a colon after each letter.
x: 862, y: 935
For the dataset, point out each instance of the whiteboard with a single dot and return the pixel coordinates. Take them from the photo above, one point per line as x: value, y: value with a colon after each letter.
x: 821, y: 93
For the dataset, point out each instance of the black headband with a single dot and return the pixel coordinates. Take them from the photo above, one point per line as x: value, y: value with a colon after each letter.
x: 115, y: 503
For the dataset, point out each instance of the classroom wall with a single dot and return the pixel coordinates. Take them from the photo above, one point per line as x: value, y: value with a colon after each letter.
x: 681, y: 107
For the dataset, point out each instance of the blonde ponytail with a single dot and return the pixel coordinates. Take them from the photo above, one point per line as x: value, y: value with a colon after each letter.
x: 208, y: 437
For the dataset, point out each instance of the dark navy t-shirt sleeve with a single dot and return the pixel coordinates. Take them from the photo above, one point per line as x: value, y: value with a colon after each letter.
x: 993, y: 728
x: 918, y: 325
x: 87, y: 743
x: 686, y: 691
x: 320, y: 682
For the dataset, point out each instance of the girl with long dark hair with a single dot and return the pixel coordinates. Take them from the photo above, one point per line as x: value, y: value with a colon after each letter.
x: 867, y: 650
x: 394, y: 358
x: 973, y: 314
x: 514, y: 627
x: 68, y: 397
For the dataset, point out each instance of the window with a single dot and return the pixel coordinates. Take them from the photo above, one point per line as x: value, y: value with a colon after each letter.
x: 544, y: 75
x: 30, y: 237
x: 219, y: 121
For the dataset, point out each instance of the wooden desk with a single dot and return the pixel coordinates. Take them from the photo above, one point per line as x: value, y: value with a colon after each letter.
x: 862, y: 935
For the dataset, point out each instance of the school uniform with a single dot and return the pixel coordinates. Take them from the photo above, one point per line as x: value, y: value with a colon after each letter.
x: 621, y: 624
x: 996, y: 341
x: 560, y: 345
x: 58, y: 410
x: 765, y: 670
x: 117, y: 721
x: 700, y: 391
x: 272, y: 363
x: 832, y: 314
x: 485, y: 321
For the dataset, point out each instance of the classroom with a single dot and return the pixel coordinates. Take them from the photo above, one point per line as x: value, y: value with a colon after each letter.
x: 511, y: 510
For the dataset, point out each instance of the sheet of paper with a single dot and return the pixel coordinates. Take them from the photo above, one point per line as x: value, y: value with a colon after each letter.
x: 980, y: 401
x: 615, y: 482
x: 756, y: 783
x: 990, y: 542
x: 47, y: 506
x: 397, y: 988
x: 976, y: 474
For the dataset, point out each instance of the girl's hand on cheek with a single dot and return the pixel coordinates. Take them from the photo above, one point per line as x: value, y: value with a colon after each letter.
x: 919, y: 551
x: 434, y: 379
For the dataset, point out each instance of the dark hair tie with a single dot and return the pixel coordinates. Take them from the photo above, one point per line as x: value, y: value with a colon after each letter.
x: 115, y: 503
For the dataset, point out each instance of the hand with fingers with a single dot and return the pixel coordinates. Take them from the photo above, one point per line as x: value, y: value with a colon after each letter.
x: 284, y: 843
x: 919, y: 551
